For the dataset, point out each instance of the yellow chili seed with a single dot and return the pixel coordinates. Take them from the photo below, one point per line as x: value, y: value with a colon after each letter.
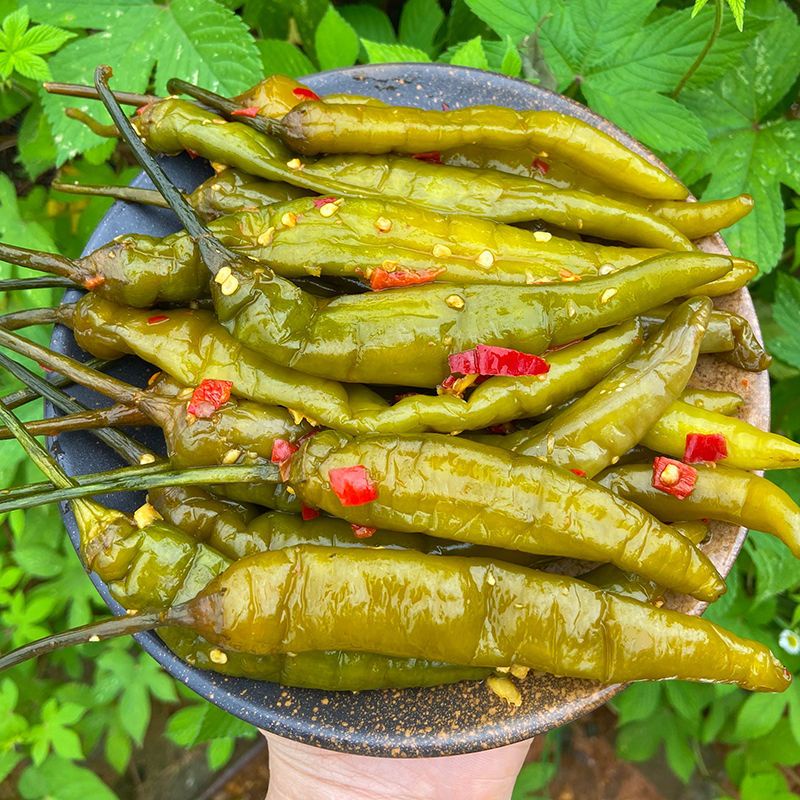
x: 542, y: 236
x: 670, y: 475
x: 328, y: 210
x: 441, y: 251
x: 230, y: 286
x: 295, y: 163
x: 145, y: 515
x: 504, y: 689
x: 608, y: 294
x: 606, y: 269
x: 289, y: 219
x: 265, y: 238
x: 147, y: 458
x: 520, y: 672
x: 217, y: 656
x: 222, y: 275
x: 485, y: 259
x: 383, y: 225
x: 231, y: 456
x: 455, y: 301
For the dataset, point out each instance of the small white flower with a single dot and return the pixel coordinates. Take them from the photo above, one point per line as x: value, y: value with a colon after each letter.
x: 789, y: 641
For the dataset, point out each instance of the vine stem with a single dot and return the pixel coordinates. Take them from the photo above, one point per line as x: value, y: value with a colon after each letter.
x: 701, y: 56
x: 130, y: 194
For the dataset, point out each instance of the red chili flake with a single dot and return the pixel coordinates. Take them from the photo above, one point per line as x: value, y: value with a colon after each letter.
x: 398, y: 397
x: 579, y: 472
x: 448, y: 383
x: 322, y: 201
x: 382, y: 279
x: 433, y: 157
x: 705, y: 447
x: 487, y: 360
x: 93, y: 282
x: 501, y: 430
x: 250, y: 111
x: 282, y: 450
x: 673, y: 477
x: 542, y: 167
x: 209, y: 396
x: 352, y: 485
x: 362, y: 531
x: 306, y: 94
x: 307, y: 513
x: 192, y: 153
x: 139, y: 111
x: 156, y: 319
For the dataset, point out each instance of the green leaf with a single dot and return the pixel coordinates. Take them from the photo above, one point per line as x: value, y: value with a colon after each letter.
x: 219, y: 753
x: 689, y: 700
x: 511, y: 64
x: 420, y: 21
x: 462, y: 24
x: 470, y: 54
x: 638, y: 702
x: 380, y: 53
x: 514, y: 18
x: 786, y: 313
x: 773, y: 566
x: 8, y: 760
x: 14, y: 27
x: 760, y: 786
x: 118, y: 748
x: 680, y: 755
x: 737, y: 9
x: 94, y: 14
x: 59, y: 779
x: 43, y: 39
x: 639, y: 741
x: 36, y: 149
x: 369, y: 22
x: 283, y: 57
x: 335, y: 41
x: 758, y: 715
x: 37, y: 561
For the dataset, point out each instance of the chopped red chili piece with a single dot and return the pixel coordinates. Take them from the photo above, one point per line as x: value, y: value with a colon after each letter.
x: 93, y: 282
x: 501, y: 430
x: 540, y: 166
x: 673, y: 477
x: 306, y: 94
x: 322, y: 201
x: 352, y: 485
x: 250, y: 111
x: 282, y: 450
x: 382, y: 279
x: 433, y: 157
x: 705, y: 447
x: 362, y: 531
x: 307, y: 513
x: 209, y: 396
x: 579, y: 472
x: 192, y: 153
x: 156, y: 319
x: 486, y: 360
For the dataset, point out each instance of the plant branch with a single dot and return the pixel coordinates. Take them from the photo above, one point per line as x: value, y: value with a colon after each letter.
x: 701, y: 56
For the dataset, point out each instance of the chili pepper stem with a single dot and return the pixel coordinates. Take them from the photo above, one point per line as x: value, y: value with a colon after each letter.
x: 130, y: 194
x: 89, y: 92
x: 94, y: 632
x: 94, y: 125
x: 30, y: 316
x: 51, y: 263
x: 80, y: 373
x: 21, y: 284
x: 82, y: 421
x: 219, y: 103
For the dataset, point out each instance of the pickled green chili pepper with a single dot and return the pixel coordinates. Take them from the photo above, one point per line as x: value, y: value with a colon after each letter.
x: 210, y: 352
x: 470, y: 611
x: 614, y: 415
x: 726, y: 403
x: 453, y: 488
x: 748, y: 447
x: 729, y: 335
x: 721, y: 493
x: 171, y: 126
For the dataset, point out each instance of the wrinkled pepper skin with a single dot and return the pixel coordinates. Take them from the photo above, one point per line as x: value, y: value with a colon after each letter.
x: 315, y: 127
x: 721, y: 493
x: 200, y: 348
x: 694, y: 220
x: 171, y: 126
x: 457, y: 489
x: 748, y: 447
x: 726, y: 403
x: 405, y: 336
x: 615, y: 414
x: 470, y: 611
x: 728, y: 335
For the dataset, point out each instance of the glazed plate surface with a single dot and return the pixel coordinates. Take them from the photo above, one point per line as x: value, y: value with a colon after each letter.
x: 444, y: 720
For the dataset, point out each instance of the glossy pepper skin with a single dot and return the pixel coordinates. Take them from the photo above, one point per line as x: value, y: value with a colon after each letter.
x: 615, y: 415
x: 722, y: 493
x: 470, y: 611
x: 726, y: 403
x: 190, y: 346
x: 453, y: 488
x: 171, y: 126
x: 317, y: 127
x: 405, y: 336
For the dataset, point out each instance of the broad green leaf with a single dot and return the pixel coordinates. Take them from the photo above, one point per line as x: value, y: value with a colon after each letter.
x: 462, y: 24
x: 369, y: 22
x: 43, y: 39
x: 36, y: 149
x: 532, y: 778
x: 737, y: 9
x: 271, y: 20
x: 470, y: 54
x: 219, y: 753
x: 184, y: 725
x: 639, y: 741
x: 118, y: 748
x: 786, y: 313
x: 763, y: 785
x: 512, y: 61
x: 283, y: 57
x: 37, y: 561
x: 134, y: 711
x: 688, y: 700
x: 420, y: 21
x: 514, y: 18
x: 335, y: 41
x: 638, y: 702
x: 773, y: 566
x: 59, y: 779
x: 8, y: 760
x: 380, y: 53
x: 14, y: 27
x: 94, y: 14
x: 680, y: 755
x: 758, y: 715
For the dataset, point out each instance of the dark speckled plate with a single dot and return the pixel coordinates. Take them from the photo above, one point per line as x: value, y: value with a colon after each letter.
x: 428, y: 722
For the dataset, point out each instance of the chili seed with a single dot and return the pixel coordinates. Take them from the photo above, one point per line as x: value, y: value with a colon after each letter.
x: 485, y: 259
x: 231, y: 456
x: 265, y: 238
x: 217, y: 656
x: 608, y: 294
x: 145, y: 515
x: 328, y: 210
x: 520, y: 672
x: 441, y: 251
x: 230, y: 286
x: 455, y: 301
x: 606, y: 269
x: 383, y: 225
x: 223, y: 275
x: 147, y: 458
x: 542, y: 236
x: 289, y: 219
x: 670, y: 475
x: 295, y: 163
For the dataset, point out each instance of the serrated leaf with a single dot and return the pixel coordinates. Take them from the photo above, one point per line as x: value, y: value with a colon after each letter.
x: 44, y: 39
x: 35, y: 149
x: 462, y: 24
x: 282, y: 57
x: 654, y: 119
x: 737, y: 9
x: 335, y: 41
x: 470, y: 54
x: 420, y: 21
x: 511, y: 63
x: 380, y: 53
x: 14, y: 27
x: 59, y: 779
x: 514, y: 18
x: 94, y: 14
x: 369, y: 22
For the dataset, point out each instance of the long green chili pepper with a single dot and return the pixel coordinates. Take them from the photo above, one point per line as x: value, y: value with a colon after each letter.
x: 314, y: 127
x: 726, y: 403
x: 453, y: 488
x: 470, y: 611
x: 729, y: 335
x: 721, y: 493
x: 614, y: 415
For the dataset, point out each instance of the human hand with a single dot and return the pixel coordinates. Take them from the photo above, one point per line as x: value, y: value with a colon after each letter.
x: 301, y: 772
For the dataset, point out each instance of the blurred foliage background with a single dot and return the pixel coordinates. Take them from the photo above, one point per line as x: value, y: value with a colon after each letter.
x: 712, y: 87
